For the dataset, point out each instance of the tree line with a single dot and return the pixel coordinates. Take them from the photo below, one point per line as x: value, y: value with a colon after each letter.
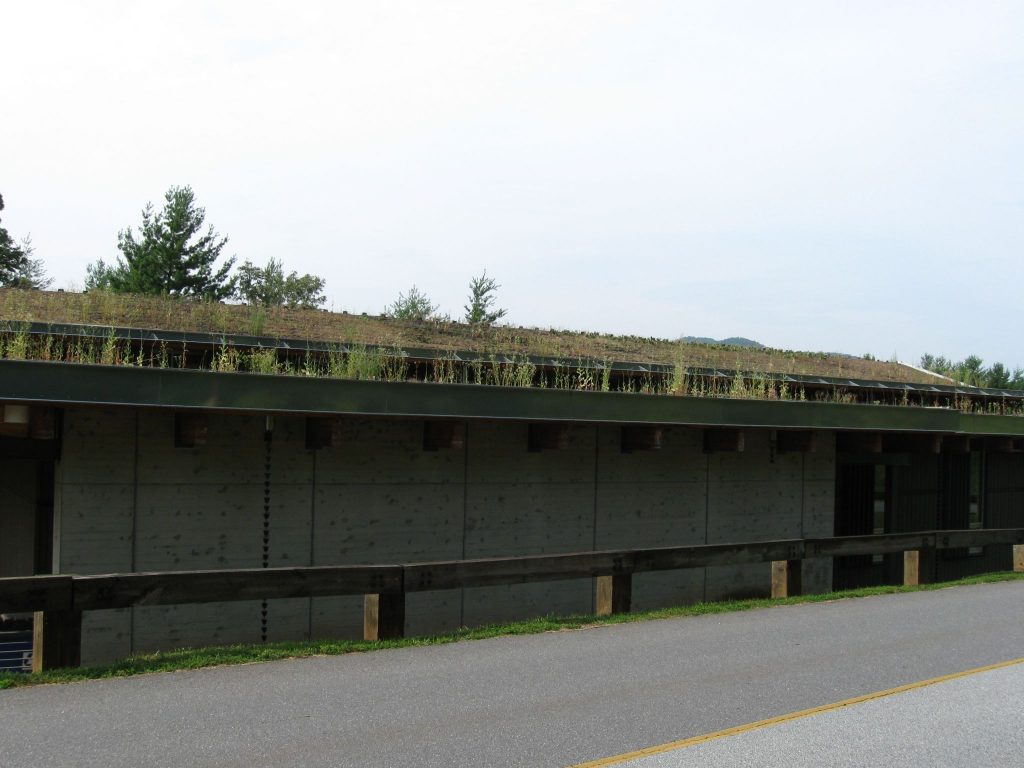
x: 972, y: 371
x: 172, y: 254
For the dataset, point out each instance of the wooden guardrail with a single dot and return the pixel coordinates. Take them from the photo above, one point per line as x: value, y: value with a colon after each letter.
x: 58, y: 601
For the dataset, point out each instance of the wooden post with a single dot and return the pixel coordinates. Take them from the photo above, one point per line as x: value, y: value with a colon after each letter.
x: 56, y: 640
x: 1018, y: 558
x: 918, y: 567
x: 614, y: 593
x: 787, y: 578
x: 384, y: 616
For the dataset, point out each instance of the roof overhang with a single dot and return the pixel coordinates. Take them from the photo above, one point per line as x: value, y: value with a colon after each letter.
x: 125, y: 386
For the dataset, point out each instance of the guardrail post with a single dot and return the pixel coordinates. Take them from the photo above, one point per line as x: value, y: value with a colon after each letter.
x: 787, y: 578
x: 614, y: 593
x: 57, y: 628
x: 1018, y: 558
x: 918, y: 566
x: 384, y: 616
x: 56, y: 640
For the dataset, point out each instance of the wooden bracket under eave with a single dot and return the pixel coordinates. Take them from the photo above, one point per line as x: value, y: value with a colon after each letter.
x: 723, y: 440
x: 796, y: 441
x: 190, y: 429
x: 640, y: 437
x: 859, y: 442
x: 32, y: 421
x: 547, y: 436
x: 997, y: 444
x: 956, y: 444
x: 909, y: 442
x: 323, y: 432
x: 443, y: 435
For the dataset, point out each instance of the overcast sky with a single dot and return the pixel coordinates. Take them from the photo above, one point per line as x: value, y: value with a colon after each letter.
x: 842, y: 176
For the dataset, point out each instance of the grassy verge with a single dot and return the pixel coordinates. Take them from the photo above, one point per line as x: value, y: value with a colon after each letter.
x: 196, y: 658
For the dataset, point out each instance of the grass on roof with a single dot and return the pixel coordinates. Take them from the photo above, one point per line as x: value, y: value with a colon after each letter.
x: 172, y: 314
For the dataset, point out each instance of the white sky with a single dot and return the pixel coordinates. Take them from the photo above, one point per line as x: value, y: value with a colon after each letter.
x: 843, y: 176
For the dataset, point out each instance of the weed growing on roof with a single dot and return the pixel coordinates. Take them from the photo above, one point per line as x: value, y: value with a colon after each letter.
x: 513, y: 372
x: 111, y: 352
x: 310, y: 365
x: 16, y: 342
x: 585, y: 380
x: 362, y: 363
x: 445, y: 370
x: 226, y: 359
x: 257, y: 320
x: 264, y: 361
x: 606, y: 376
x: 393, y: 366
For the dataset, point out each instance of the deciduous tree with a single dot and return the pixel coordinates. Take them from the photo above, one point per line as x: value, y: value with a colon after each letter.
x: 269, y: 286
x: 17, y: 267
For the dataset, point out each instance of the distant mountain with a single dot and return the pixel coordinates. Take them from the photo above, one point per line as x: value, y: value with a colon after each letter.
x: 732, y: 341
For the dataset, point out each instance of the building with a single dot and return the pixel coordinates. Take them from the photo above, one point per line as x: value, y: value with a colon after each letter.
x: 149, y: 460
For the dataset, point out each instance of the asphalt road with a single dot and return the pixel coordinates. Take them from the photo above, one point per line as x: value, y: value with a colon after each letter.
x: 975, y: 721
x: 541, y: 700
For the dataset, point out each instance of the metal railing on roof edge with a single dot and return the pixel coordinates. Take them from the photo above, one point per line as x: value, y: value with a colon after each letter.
x: 427, y: 355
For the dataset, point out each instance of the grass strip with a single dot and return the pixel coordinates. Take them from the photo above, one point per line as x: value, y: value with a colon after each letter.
x: 198, y: 658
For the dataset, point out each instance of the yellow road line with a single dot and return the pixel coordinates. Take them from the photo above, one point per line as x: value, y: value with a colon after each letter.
x: 737, y: 729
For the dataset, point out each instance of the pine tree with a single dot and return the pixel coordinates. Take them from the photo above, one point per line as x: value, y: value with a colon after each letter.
x: 172, y: 255
x: 481, y: 299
